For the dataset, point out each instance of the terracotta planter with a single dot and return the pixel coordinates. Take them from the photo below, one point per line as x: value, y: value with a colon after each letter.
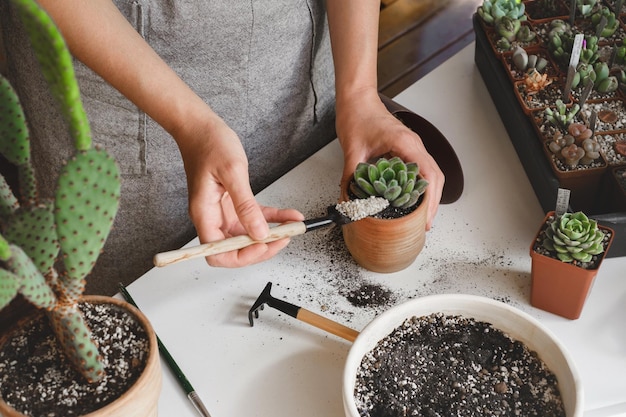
x: 516, y: 75
x: 141, y: 400
x: 618, y: 189
x: 537, y: 12
x: 539, y: 100
x: 387, y: 245
x: 584, y: 183
x: 559, y: 287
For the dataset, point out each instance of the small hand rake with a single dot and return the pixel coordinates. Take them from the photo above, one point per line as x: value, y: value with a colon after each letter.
x: 301, y: 314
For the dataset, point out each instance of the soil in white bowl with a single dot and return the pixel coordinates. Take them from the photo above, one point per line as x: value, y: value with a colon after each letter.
x: 443, y: 365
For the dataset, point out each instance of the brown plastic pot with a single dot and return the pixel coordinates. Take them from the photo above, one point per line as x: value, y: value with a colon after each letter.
x: 560, y: 287
x: 387, y: 245
x: 141, y: 399
x: 585, y: 183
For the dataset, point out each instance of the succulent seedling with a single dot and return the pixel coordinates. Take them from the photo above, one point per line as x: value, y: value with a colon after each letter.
x: 561, y: 116
x: 493, y: 10
x: 393, y: 179
x: 574, y: 237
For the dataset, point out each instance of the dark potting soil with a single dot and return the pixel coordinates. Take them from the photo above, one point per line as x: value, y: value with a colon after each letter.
x: 37, y: 380
x: 441, y: 365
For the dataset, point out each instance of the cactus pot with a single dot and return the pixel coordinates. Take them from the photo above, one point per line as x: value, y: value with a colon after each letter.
x: 386, y: 245
x: 141, y: 399
x: 560, y: 287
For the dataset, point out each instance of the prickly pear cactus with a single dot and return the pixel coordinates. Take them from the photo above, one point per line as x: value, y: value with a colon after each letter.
x: 74, y: 224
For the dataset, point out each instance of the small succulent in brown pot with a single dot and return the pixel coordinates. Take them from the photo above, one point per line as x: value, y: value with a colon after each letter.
x: 566, y: 255
x: 391, y: 240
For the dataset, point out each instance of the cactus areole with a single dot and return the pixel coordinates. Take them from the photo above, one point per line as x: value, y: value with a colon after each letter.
x: 393, y: 179
x: 73, y: 224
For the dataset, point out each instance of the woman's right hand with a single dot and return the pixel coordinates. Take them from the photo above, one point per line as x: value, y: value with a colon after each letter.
x: 221, y: 203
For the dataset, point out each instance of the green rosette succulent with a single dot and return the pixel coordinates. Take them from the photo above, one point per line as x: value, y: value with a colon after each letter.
x: 493, y: 10
x: 392, y: 179
x: 574, y: 237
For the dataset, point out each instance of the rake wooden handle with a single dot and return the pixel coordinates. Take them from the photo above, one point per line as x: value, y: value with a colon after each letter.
x: 326, y: 324
x: 220, y: 246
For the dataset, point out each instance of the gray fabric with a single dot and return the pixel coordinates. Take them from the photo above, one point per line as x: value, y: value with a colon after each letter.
x: 264, y: 66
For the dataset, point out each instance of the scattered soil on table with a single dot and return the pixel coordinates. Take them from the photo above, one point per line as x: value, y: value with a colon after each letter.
x: 37, y: 379
x: 328, y: 280
x: 441, y: 366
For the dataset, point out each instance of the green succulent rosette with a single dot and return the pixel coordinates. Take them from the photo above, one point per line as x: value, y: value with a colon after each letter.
x: 392, y: 179
x: 493, y: 10
x: 574, y: 237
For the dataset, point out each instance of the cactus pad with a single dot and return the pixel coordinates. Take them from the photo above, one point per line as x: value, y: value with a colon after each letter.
x: 14, y: 143
x: 57, y: 67
x: 32, y: 284
x: 9, y: 284
x: 34, y: 231
x: 75, y: 337
x: 8, y: 202
x: 87, y: 198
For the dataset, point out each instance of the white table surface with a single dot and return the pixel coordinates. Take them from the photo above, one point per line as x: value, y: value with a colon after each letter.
x: 478, y: 245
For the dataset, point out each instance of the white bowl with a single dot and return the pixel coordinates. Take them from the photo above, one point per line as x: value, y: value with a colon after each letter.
x: 515, y: 323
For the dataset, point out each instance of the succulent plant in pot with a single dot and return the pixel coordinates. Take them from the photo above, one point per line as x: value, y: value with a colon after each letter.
x: 490, y: 11
x: 566, y: 255
x: 390, y: 241
x: 389, y: 178
x: 48, y: 246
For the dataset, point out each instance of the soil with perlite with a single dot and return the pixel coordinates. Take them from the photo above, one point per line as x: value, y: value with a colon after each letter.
x: 37, y: 380
x: 442, y: 365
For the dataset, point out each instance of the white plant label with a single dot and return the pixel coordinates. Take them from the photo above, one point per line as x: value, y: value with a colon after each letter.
x: 562, y: 201
x: 576, y: 50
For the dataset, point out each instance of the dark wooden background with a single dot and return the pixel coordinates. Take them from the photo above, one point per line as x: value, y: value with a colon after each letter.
x: 415, y: 36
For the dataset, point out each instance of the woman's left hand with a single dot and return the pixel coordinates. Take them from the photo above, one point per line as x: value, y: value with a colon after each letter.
x: 366, y: 129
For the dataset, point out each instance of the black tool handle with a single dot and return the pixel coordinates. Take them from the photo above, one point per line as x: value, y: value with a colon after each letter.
x: 314, y: 224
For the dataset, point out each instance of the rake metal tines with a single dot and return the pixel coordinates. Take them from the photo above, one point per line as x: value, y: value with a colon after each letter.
x: 299, y: 313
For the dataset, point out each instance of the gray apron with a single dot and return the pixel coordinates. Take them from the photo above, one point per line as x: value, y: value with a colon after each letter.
x: 264, y: 66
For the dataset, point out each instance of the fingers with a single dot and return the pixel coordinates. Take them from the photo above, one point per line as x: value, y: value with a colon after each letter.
x: 261, y: 251
x: 256, y: 253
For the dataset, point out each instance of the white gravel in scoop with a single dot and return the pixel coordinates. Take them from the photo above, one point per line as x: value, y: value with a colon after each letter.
x: 361, y: 208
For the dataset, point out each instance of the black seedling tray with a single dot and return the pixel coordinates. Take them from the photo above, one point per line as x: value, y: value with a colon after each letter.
x: 527, y: 146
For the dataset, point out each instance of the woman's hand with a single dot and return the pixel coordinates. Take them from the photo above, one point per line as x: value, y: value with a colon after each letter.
x: 221, y: 203
x: 367, y: 130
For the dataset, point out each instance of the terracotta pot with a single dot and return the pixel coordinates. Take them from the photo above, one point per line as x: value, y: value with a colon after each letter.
x: 617, y: 192
x: 517, y: 75
x: 510, y: 320
x: 537, y: 13
x: 560, y: 287
x: 387, y: 245
x: 141, y: 400
x: 585, y: 184
x: 535, y: 102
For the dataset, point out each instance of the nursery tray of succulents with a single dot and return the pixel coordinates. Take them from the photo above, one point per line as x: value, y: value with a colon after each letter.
x: 566, y: 117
